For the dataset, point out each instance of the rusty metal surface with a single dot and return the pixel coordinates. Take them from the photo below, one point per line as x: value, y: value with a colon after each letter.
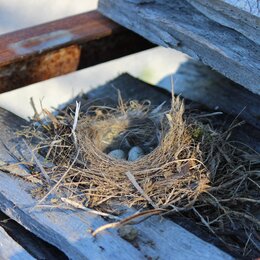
x: 42, y: 67
x: 60, y: 47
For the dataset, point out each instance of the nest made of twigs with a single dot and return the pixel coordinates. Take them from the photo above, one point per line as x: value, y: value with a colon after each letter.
x: 175, y: 164
x: 188, y: 166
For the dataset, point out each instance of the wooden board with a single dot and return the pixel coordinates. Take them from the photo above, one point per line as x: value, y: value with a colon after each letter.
x: 9, y: 249
x: 251, y: 8
x: 196, y: 82
x: 34, y: 245
x: 70, y: 231
x: 242, y: 15
x: 63, y: 46
x: 177, y: 24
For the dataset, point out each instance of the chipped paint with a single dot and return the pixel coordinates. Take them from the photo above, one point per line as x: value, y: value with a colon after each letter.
x: 42, y: 43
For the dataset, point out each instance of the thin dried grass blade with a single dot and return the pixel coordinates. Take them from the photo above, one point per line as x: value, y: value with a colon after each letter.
x: 42, y: 171
x: 78, y: 104
x: 78, y: 205
x: 60, y: 180
x: 36, y: 115
x: 53, y: 119
x: 131, y: 178
x: 158, y: 108
x: 75, y: 123
x: 128, y: 220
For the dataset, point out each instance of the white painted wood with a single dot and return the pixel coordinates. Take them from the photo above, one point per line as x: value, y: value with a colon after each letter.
x: 242, y: 15
x: 176, y: 24
x: 9, y: 249
x: 70, y: 231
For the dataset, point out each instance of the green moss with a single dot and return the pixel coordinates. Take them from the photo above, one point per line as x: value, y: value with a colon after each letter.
x: 201, y: 133
x: 197, y: 133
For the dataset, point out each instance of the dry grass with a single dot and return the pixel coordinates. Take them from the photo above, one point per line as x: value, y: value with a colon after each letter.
x: 189, y: 167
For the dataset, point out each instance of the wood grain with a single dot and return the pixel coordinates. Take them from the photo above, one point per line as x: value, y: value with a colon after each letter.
x: 195, y: 81
x: 177, y: 24
x: 242, y: 16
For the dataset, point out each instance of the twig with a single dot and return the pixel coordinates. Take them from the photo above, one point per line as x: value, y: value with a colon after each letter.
x: 42, y: 171
x: 128, y: 220
x: 241, y: 199
x: 53, y: 119
x: 209, y: 114
x: 60, y: 180
x: 254, y: 182
x: 244, y: 215
x: 80, y: 206
x: 36, y: 115
x: 131, y: 178
x: 247, y: 242
x: 76, y: 116
x: 202, y: 219
x: 73, y: 130
x: 158, y: 108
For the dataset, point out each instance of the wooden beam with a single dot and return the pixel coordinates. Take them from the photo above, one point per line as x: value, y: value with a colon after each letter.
x: 242, y: 16
x: 196, y: 82
x: 177, y: 24
x: 63, y: 46
x: 34, y: 245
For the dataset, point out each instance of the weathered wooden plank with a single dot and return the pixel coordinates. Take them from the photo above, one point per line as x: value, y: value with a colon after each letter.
x: 178, y: 25
x: 70, y: 230
x: 242, y: 15
x: 67, y: 230
x: 63, y: 46
x: 34, y: 245
x: 9, y: 249
x: 199, y: 83
x: 250, y: 7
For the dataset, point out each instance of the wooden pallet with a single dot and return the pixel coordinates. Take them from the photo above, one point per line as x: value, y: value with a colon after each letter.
x: 70, y: 230
x: 54, y: 49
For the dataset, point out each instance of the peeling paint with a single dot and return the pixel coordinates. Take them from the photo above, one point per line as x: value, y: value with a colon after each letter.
x: 41, y: 43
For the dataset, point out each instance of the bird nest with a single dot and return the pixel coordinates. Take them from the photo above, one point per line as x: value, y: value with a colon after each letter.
x: 186, y: 166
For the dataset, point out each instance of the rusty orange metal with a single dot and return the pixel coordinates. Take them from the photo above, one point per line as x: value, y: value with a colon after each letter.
x: 39, y: 68
x: 63, y: 46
